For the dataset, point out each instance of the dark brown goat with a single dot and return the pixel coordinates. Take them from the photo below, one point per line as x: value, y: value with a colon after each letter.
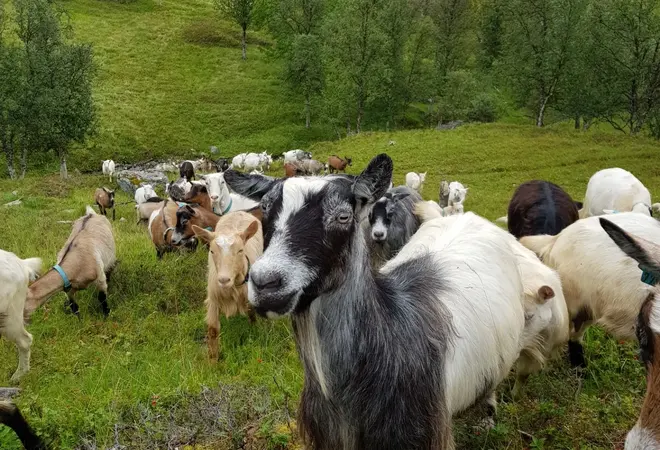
x: 292, y: 169
x: 540, y: 207
x: 105, y: 199
x: 336, y: 164
x: 186, y: 217
x: 187, y: 170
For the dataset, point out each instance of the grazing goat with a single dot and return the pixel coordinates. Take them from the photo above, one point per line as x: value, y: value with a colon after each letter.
x: 145, y: 210
x: 616, y: 190
x: 392, y: 222
x: 415, y: 181
x: 221, y: 164
x: 87, y: 257
x: 399, y: 350
x: 105, y: 199
x: 540, y: 207
x: 646, y: 433
x: 161, y: 227
x: 457, y: 193
x: 600, y: 284
x: 11, y: 416
x: 296, y: 155
x: 144, y: 193
x: 186, y: 217
x: 178, y: 190
x: 336, y: 164
x: 238, y: 161
x: 234, y: 246
x: 15, y: 275
x: 187, y: 170
x: 108, y: 168
x: 222, y: 200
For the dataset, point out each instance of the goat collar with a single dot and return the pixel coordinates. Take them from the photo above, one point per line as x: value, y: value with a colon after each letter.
x: 647, y: 277
x: 60, y: 271
x: 226, y: 210
x: 165, y: 232
x: 247, y: 274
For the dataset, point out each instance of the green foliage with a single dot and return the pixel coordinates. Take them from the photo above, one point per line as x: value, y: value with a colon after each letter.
x: 240, y: 11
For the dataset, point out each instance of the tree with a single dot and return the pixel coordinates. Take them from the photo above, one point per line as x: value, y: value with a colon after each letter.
x: 539, y: 43
x: 452, y: 22
x: 242, y: 12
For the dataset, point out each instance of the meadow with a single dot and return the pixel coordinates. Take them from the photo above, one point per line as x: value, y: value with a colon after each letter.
x: 141, y: 378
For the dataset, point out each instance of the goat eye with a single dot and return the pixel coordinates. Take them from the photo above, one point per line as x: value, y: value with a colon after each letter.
x: 344, y: 217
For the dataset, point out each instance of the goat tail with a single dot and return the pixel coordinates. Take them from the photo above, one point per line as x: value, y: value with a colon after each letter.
x: 428, y: 210
x: 89, y: 210
x: 539, y: 244
x: 33, y: 267
x: 503, y: 219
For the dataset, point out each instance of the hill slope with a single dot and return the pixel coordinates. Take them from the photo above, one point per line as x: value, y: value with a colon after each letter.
x: 171, y: 79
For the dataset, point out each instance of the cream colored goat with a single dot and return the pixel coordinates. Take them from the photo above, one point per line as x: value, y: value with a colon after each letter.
x: 15, y: 274
x: 86, y: 258
x: 234, y: 246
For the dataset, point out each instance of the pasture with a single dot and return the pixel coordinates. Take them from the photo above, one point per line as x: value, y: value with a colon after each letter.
x: 142, y: 379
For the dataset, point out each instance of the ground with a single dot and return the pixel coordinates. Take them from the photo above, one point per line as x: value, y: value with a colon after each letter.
x: 141, y: 377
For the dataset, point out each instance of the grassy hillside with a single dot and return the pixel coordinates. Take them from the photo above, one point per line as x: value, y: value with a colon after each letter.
x: 171, y: 79
x: 141, y: 377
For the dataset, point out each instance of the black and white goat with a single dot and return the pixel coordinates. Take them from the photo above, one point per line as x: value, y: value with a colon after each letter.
x: 392, y: 222
x: 388, y: 356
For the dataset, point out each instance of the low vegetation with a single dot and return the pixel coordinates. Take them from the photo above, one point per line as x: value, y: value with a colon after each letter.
x: 141, y: 378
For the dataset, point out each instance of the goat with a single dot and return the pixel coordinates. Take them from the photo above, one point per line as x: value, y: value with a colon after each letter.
x: 399, y: 350
x: 199, y: 194
x: 238, y: 161
x: 161, y: 227
x: 616, y: 190
x: 145, y: 210
x: 600, y: 284
x: 443, y: 195
x: 457, y: 193
x: 296, y: 155
x: 392, y: 221
x: 234, y: 246
x: 222, y: 200
x: 105, y: 199
x: 108, y: 168
x: 178, y: 190
x: 87, y: 257
x: 337, y: 164
x: 11, y: 416
x: 311, y: 166
x: 187, y: 170
x: 15, y: 275
x: 221, y: 164
x: 144, y: 193
x: 415, y: 181
x: 188, y: 216
x: 292, y: 169
x: 645, y: 435
x: 540, y: 207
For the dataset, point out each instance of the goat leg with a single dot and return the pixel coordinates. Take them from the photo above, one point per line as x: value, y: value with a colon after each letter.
x: 102, y: 296
x: 71, y: 303
x: 12, y: 417
x: 213, y: 325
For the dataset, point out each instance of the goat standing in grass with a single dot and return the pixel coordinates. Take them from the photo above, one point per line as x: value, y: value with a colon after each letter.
x: 108, y: 168
x: 105, y: 199
x: 646, y: 433
x: 87, y: 258
x: 389, y: 356
x: 234, y: 246
x: 15, y: 275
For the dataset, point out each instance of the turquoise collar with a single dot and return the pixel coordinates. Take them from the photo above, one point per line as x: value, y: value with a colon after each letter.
x: 226, y: 210
x: 67, y: 283
x: 647, y: 277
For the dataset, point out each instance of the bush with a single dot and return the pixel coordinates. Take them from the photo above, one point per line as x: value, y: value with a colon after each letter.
x: 483, y: 108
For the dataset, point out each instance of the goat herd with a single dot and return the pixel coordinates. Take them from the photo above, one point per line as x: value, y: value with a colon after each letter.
x: 405, y: 312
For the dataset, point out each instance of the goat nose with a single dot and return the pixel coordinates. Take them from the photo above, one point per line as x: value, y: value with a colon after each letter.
x: 214, y: 197
x: 224, y: 280
x: 379, y: 234
x: 267, y: 282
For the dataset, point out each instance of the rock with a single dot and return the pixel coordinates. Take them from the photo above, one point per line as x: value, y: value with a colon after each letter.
x: 65, y: 221
x: 214, y: 149
x: 14, y: 193
x: 450, y: 125
x: 130, y: 180
x: 392, y: 143
x: 122, y: 219
x: 14, y: 203
x: 7, y: 393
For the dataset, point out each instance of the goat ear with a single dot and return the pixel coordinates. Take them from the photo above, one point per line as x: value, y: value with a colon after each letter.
x: 646, y: 253
x: 190, y: 210
x: 374, y: 180
x: 579, y: 205
x: 545, y: 293
x: 400, y: 196
x: 250, y: 231
x: 251, y: 186
x: 203, y: 234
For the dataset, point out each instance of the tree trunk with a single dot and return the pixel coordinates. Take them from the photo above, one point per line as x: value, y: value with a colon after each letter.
x: 8, y: 148
x: 577, y: 122
x: 64, y: 174
x: 244, y: 42
x: 24, y: 152
x: 308, y: 111
x: 586, y: 124
x: 541, y: 114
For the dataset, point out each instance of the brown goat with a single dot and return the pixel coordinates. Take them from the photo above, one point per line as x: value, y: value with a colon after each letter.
x: 646, y: 433
x: 12, y: 417
x: 292, y: 169
x: 161, y: 227
x: 188, y: 216
x: 105, y: 199
x: 87, y: 258
x: 235, y: 244
x: 199, y: 194
x: 337, y: 164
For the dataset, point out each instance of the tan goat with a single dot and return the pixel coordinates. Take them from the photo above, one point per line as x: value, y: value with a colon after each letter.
x: 87, y: 258
x: 233, y: 247
x: 105, y: 199
x: 144, y: 210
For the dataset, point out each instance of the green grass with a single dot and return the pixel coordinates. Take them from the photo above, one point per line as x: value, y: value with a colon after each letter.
x: 144, y: 370
x: 171, y: 82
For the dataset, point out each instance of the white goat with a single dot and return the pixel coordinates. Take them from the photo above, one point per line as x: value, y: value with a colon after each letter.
x: 222, y: 200
x: 601, y: 285
x: 238, y: 161
x: 457, y: 193
x: 415, y: 181
x: 144, y: 193
x: 296, y: 155
x: 15, y: 275
x: 108, y: 168
x: 616, y: 190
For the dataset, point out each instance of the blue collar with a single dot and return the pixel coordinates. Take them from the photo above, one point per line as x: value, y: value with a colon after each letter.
x: 647, y: 277
x: 209, y: 228
x: 67, y: 283
x: 231, y: 200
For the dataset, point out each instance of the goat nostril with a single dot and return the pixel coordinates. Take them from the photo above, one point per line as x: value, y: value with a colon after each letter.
x: 379, y: 234
x: 271, y: 283
x: 214, y: 197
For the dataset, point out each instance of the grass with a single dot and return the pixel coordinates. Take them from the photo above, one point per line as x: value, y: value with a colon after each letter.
x: 171, y: 79
x: 142, y: 376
